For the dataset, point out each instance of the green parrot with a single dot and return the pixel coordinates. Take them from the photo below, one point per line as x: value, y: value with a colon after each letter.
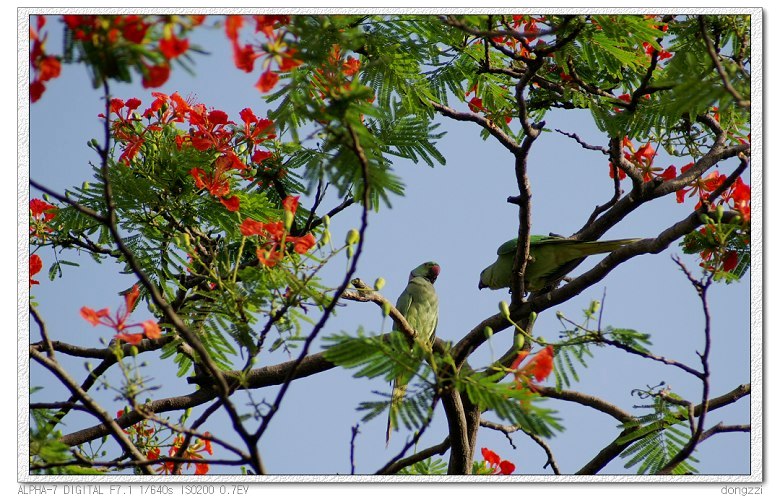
x: 420, y: 306
x: 546, y: 264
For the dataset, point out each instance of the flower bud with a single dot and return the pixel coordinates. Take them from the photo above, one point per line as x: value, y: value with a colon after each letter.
x: 386, y: 308
x: 719, y: 212
x: 85, y: 185
x: 326, y: 221
x: 379, y: 283
x: 504, y: 308
x: 325, y: 238
x: 594, y: 307
x: 353, y: 236
x: 519, y: 341
x: 133, y: 351
x: 288, y: 219
x: 488, y: 332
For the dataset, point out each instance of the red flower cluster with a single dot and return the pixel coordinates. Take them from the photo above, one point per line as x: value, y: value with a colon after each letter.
x: 337, y: 73
x: 194, y: 452
x: 477, y: 106
x: 43, y: 67
x: 537, y: 368
x: 207, y: 131
x: 737, y: 197
x: 110, y: 33
x: 714, y: 259
x: 642, y: 158
x: 525, y: 26
x: 274, y: 236
x: 119, y: 322
x: 139, y: 431
x: 499, y: 466
x: 274, y: 51
x: 40, y: 214
x: 650, y: 50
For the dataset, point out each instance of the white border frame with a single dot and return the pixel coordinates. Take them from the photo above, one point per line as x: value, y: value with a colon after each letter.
x: 756, y: 272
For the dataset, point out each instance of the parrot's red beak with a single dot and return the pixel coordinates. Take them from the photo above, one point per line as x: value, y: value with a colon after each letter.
x: 434, y: 272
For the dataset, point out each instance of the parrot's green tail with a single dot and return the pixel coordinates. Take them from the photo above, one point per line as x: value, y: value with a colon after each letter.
x: 599, y: 247
x: 395, y: 400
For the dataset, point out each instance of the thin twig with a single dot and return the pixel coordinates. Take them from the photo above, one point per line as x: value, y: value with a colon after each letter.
x: 740, y: 101
x: 507, y: 429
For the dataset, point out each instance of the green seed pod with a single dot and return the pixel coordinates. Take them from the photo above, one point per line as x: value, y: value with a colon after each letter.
x: 353, y: 236
x: 504, y: 308
x: 379, y: 283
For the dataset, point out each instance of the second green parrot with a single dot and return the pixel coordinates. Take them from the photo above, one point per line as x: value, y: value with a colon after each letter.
x: 419, y: 304
x: 546, y: 263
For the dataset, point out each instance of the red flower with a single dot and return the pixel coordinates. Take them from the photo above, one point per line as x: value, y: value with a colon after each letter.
x: 645, y: 154
x: 496, y: 463
x: 244, y: 57
x: 231, y: 203
x: 730, y: 261
x: 36, y: 264
x: 475, y: 105
x: 739, y: 195
x: 233, y: 25
x: 119, y: 322
x: 267, y: 81
x: 172, y: 46
x: 36, y: 90
x: 290, y: 204
x: 351, y: 66
x: 134, y: 29
x: 260, y: 156
x: 669, y: 173
x: 251, y: 227
x: 621, y: 173
x: 49, y: 67
x: 302, y: 244
x: 156, y: 76
x: 539, y: 367
x: 41, y: 210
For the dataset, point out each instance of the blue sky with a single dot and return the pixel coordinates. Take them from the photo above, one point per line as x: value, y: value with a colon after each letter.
x: 454, y: 214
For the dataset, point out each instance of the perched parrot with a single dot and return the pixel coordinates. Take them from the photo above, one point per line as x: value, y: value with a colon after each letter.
x: 548, y: 256
x: 420, y: 306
